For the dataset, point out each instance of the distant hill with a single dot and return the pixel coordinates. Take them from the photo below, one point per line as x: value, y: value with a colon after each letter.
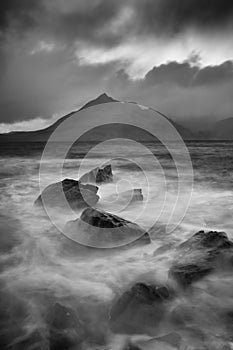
x: 97, y: 134
x: 222, y: 130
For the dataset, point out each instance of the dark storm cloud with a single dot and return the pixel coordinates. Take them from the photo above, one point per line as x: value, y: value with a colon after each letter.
x: 90, y: 20
x: 40, y: 73
x: 20, y: 13
x: 186, y: 75
x: 60, y: 20
x: 86, y: 21
x: 215, y: 74
x: 172, y: 72
x: 173, y: 16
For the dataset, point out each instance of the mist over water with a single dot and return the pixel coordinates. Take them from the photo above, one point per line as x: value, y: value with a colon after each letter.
x: 40, y: 266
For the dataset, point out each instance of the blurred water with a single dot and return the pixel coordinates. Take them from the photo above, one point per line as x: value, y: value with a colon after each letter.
x: 40, y: 266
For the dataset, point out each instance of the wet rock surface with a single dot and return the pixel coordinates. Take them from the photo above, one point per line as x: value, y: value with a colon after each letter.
x: 98, y: 228
x: 98, y: 175
x: 200, y: 255
x: 140, y: 308
x: 65, y: 329
x: 77, y: 195
x: 136, y: 194
x: 170, y: 341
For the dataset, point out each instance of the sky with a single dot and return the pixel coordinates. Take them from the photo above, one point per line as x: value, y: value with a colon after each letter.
x: 173, y: 55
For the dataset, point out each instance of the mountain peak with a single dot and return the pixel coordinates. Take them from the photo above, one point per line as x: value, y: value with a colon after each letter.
x: 104, y: 95
x: 103, y: 98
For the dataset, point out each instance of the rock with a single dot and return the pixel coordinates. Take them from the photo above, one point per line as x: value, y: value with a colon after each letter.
x: 140, y: 309
x: 211, y: 239
x: 128, y: 197
x: 77, y: 195
x: 65, y: 329
x: 122, y: 200
x: 98, y: 175
x: 134, y: 195
x: 170, y: 341
x: 199, y: 255
x: 99, y: 229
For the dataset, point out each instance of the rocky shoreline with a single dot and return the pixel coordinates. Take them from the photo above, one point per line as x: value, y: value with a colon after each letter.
x: 145, y: 307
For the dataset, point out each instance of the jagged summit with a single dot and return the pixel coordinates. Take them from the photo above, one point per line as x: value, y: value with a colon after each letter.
x: 102, y: 133
x: 103, y: 98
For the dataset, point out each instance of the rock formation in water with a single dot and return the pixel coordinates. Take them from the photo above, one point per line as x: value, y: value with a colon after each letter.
x: 98, y: 175
x: 140, y: 308
x: 170, y: 341
x: 77, y: 195
x: 200, y: 255
x: 122, y: 200
x: 97, y: 228
x: 131, y: 196
x: 65, y: 329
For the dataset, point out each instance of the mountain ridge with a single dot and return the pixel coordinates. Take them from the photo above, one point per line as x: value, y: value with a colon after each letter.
x: 42, y: 135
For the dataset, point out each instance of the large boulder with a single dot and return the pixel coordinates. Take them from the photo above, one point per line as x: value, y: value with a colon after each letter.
x: 97, y: 228
x: 200, y: 255
x: 98, y: 175
x: 65, y: 329
x: 76, y: 194
x: 140, y: 309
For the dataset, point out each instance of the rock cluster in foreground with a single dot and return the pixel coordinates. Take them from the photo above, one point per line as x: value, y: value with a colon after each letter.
x: 144, y: 306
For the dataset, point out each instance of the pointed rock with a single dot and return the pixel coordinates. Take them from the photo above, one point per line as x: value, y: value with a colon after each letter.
x: 200, y: 255
x: 97, y: 228
x: 143, y: 301
x: 98, y: 175
x: 77, y: 195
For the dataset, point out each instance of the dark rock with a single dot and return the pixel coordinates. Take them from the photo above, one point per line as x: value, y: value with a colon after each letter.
x: 77, y: 195
x: 97, y: 228
x: 65, y: 329
x: 131, y: 195
x: 211, y: 239
x: 199, y: 255
x: 137, y: 194
x: 98, y: 175
x: 189, y: 273
x: 140, y: 309
x: 168, y: 341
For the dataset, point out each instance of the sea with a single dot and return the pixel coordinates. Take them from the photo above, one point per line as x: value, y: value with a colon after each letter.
x: 41, y: 267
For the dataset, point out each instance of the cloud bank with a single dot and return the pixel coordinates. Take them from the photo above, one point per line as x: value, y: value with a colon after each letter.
x: 175, y: 55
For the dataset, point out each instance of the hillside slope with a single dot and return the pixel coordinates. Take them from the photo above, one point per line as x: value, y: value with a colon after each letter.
x: 97, y: 134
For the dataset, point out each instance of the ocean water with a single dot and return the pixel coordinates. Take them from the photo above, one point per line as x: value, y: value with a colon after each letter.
x: 39, y: 266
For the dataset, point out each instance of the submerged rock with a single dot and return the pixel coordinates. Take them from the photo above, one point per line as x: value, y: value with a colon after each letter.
x: 97, y: 228
x: 98, y: 175
x: 126, y: 197
x: 200, y: 255
x: 140, y: 309
x: 134, y: 195
x: 170, y: 341
x: 122, y: 200
x: 77, y: 195
x: 65, y: 329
